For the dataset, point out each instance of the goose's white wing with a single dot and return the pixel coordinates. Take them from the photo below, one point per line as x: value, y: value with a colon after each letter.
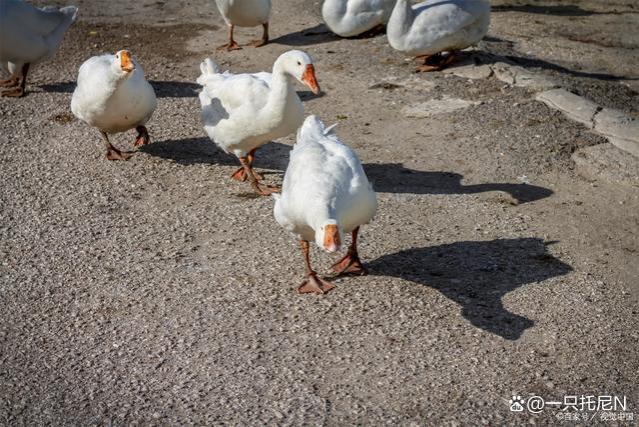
x: 233, y: 90
x: 445, y: 22
x: 230, y: 104
x: 352, y: 17
x: 92, y: 92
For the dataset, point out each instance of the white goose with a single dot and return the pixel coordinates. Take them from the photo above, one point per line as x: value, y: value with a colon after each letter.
x: 242, y: 112
x: 245, y: 13
x: 348, y: 18
x: 114, y: 96
x: 434, y: 26
x: 325, y: 194
x: 29, y: 35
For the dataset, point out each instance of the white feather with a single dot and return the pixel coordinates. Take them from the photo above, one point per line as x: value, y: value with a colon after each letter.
x: 329, y: 130
x: 348, y: 18
x: 436, y: 26
x: 110, y: 100
x: 324, y: 183
x: 241, y: 112
x: 244, y: 13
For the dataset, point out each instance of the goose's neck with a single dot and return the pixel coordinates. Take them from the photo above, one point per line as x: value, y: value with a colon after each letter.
x: 402, y: 17
x: 280, y: 89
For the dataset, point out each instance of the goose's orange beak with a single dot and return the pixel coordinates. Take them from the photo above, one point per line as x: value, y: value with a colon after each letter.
x: 309, y: 79
x: 331, y: 237
x: 125, y: 61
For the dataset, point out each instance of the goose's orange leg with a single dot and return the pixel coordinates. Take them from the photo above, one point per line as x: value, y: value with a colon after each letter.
x: 262, y: 190
x: 435, y: 62
x: 240, y: 174
x: 18, y: 90
x: 312, y: 284
x: 231, y: 45
x: 264, y: 40
x: 12, y: 81
x: 143, y: 136
x: 112, y: 152
x: 350, y: 263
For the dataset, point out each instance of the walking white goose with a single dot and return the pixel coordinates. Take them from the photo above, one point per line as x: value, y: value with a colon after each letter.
x: 348, y: 18
x: 242, y: 112
x: 427, y: 29
x: 29, y: 35
x: 245, y: 13
x: 114, y: 96
x: 325, y: 194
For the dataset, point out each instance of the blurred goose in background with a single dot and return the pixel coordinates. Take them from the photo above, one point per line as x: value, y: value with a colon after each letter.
x: 325, y: 195
x: 427, y: 29
x: 348, y: 18
x: 29, y: 35
x: 113, y: 96
x: 242, y: 112
x: 245, y: 13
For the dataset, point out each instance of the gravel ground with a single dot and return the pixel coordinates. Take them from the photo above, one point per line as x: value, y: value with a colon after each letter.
x: 158, y: 291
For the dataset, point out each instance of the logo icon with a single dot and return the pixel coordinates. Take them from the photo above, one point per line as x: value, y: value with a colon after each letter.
x: 517, y: 404
x: 536, y: 404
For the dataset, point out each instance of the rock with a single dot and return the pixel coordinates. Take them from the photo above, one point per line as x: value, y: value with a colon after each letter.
x: 608, y: 163
x: 574, y: 106
x: 519, y: 76
x: 621, y: 130
x: 533, y: 81
x: 469, y: 70
x: 503, y: 72
x: 436, y: 106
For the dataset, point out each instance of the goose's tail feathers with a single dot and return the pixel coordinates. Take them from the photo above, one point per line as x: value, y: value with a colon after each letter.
x: 208, y: 68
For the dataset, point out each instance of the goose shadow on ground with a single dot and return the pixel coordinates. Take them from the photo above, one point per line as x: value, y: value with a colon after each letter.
x: 387, y: 177
x: 540, y: 63
x: 309, y: 36
x: 395, y: 178
x: 321, y: 34
x: 483, y: 57
x: 163, y: 89
x: 307, y: 95
x: 476, y: 275
x: 557, y: 10
x: 201, y: 150
x: 174, y: 89
x: 59, y: 87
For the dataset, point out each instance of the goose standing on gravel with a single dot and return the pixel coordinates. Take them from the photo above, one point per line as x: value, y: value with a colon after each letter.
x: 113, y: 96
x: 348, y: 18
x: 427, y: 29
x: 245, y: 13
x: 242, y: 112
x: 325, y: 194
x: 29, y: 35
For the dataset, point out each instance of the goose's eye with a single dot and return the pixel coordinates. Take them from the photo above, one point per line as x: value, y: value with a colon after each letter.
x: 299, y: 63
